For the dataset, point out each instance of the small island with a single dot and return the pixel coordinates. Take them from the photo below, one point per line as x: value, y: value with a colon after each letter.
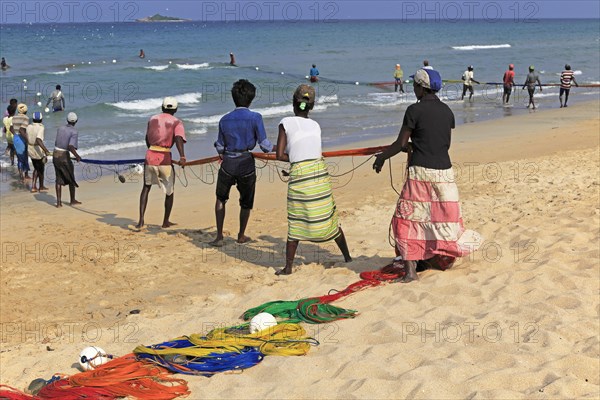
x: 161, y: 18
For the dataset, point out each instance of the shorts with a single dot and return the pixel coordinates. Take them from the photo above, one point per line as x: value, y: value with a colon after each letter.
x: 469, y: 88
x: 161, y: 175
x: 507, y: 89
x: 246, y: 185
x: 314, y: 79
x: 563, y: 91
x: 38, y: 165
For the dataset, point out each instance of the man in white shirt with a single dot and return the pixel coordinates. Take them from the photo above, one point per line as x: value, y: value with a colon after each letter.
x: 468, y: 82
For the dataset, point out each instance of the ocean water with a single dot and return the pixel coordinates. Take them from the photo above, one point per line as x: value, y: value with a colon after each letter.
x: 114, y: 92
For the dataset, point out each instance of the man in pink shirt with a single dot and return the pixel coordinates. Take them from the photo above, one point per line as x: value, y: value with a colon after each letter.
x: 163, y: 131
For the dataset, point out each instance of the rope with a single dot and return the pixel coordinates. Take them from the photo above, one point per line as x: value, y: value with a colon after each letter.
x: 113, y: 162
x: 211, y: 364
x: 121, y: 377
x: 285, y: 339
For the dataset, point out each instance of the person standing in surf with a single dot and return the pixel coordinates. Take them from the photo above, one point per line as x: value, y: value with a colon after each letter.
x: 566, y: 77
x: 398, y: 75
x: 314, y: 74
x: 427, y: 223
x: 468, y: 80
x: 58, y: 100
x: 530, y: 81
x: 509, y: 82
x: 312, y: 213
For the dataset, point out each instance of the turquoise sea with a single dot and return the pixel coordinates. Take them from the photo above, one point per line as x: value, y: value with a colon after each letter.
x: 114, y: 92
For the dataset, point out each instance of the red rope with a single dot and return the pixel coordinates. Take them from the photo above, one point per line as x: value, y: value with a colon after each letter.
x: 365, y: 151
x: 368, y: 279
x: 10, y: 393
x: 121, y: 377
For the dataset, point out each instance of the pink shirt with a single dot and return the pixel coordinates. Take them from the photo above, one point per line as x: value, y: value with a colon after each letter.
x: 162, y: 130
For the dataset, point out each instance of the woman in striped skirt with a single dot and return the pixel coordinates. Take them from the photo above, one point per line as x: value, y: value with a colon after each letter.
x: 312, y: 214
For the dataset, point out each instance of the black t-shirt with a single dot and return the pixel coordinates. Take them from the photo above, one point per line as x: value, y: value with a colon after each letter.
x: 431, y: 122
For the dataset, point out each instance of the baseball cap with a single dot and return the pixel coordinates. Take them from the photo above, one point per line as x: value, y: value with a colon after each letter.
x: 22, y: 108
x: 71, y: 117
x: 305, y: 93
x: 37, y: 116
x: 428, y: 78
x: 170, y: 103
x: 470, y: 67
x: 531, y: 67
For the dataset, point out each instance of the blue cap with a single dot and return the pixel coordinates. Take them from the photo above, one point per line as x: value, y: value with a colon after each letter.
x: 428, y: 78
x: 37, y: 116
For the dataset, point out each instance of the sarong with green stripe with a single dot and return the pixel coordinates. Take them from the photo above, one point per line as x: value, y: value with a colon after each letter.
x: 312, y: 214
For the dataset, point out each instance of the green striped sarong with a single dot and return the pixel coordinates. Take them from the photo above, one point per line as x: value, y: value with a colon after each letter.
x: 312, y: 214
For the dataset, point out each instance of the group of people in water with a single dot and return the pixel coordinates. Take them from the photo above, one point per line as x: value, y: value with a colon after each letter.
x: 567, y: 79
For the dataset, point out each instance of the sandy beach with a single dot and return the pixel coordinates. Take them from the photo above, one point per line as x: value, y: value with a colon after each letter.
x: 519, y: 319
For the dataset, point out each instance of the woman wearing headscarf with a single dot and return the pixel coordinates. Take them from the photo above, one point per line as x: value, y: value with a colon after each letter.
x: 427, y: 223
x: 312, y: 213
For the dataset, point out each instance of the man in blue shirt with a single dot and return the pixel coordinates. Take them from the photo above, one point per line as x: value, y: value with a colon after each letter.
x: 239, y: 132
x: 314, y: 73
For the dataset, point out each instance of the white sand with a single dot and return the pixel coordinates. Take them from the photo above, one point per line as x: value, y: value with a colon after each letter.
x: 519, y: 319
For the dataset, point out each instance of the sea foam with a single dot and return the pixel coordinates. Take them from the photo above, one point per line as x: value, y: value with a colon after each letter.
x: 155, y: 103
x: 482, y: 46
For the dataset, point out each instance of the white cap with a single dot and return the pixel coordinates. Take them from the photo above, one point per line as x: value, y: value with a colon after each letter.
x: 170, y: 103
x: 72, y: 117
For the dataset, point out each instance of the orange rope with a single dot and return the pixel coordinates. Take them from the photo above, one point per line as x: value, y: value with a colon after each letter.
x: 366, y: 151
x: 122, y: 377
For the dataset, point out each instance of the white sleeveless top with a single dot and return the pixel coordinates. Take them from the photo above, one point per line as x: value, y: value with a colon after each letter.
x: 303, y: 138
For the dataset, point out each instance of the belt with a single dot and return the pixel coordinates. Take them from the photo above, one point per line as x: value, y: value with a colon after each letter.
x: 59, y: 149
x: 236, y: 153
x: 160, y: 149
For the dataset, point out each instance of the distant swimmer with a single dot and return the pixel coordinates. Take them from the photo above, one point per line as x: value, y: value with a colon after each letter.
x: 232, y: 59
x: 398, y: 75
x: 565, y: 84
x: 142, y: 54
x: 509, y: 83
x: 58, y: 100
x: 426, y: 65
x: 4, y: 65
x: 314, y: 74
x: 468, y: 79
x: 532, y: 78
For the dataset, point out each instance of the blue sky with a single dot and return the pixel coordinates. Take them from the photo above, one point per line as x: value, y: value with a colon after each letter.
x: 319, y: 10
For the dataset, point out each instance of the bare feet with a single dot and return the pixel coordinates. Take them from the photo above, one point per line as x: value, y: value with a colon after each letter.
x: 218, y: 242
x: 243, y: 239
x: 284, y: 271
x: 43, y: 189
x: 136, y: 228
x: 168, y: 224
x: 411, y: 272
x: 34, y: 190
x: 58, y: 205
x: 75, y: 202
